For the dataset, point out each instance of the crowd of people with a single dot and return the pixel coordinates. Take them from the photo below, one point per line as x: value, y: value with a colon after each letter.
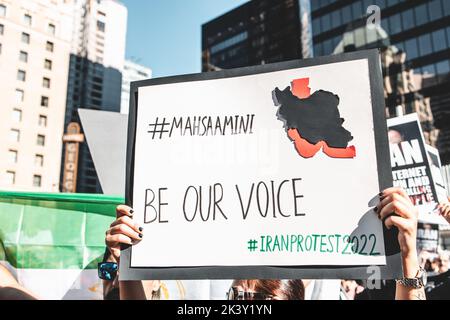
x: 436, y: 287
x: 435, y: 264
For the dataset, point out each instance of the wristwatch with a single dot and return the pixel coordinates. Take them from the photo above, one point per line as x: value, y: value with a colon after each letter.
x: 418, y: 282
x: 107, y: 270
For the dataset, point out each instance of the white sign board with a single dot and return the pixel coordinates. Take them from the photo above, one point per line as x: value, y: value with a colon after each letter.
x: 413, y: 169
x: 257, y: 167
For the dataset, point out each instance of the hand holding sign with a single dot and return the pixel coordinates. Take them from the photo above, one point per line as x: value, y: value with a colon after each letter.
x: 397, y: 210
x: 444, y: 210
x: 122, y: 231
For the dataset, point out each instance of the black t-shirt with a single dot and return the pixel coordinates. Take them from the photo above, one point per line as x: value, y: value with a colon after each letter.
x: 438, y: 287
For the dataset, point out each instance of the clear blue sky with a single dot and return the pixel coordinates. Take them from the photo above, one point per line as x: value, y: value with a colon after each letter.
x: 165, y: 35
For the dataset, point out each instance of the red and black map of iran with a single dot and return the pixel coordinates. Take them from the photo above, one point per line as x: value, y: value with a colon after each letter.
x: 312, y: 121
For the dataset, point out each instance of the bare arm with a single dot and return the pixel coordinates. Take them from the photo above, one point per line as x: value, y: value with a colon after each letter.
x: 410, y: 268
x: 444, y: 210
x: 396, y: 210
x: 132, y: 290
x: 123, y: 230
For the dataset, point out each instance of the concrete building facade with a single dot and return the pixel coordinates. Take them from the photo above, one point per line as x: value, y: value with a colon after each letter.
x: 95, y: 72
x: 132, y: 71
x: 35, y: 45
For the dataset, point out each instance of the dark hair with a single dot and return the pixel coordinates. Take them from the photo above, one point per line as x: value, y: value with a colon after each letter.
x: 281, y: 289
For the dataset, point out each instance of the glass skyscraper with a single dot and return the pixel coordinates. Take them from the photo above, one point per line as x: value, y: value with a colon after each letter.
x: 414, y: 36
x: 258, y: 32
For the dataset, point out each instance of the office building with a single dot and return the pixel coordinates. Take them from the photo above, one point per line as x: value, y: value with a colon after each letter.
x: 132, y: 71
x: 35, y: 45
x: 415, y: 41
x: 95, y: 73
x: 257, y: 32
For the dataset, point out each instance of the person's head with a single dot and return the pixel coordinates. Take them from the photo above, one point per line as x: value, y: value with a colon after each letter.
x: 351, y: 288
x: 267, y: 290
x: 443, y: 262
x: 435, y: 264
x: 395, y: 136
x: 428, y: 267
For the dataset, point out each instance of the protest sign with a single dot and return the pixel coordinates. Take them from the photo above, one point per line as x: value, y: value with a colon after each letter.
x: 411, y: 169
x: 428, y: 237
x: 261, y: 172
x: 438, y: 179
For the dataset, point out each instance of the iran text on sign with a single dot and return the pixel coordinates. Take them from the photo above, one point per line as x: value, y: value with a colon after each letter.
x: 411, y: 166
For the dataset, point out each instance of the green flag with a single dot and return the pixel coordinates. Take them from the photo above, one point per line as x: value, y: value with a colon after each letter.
x: 53, y: 242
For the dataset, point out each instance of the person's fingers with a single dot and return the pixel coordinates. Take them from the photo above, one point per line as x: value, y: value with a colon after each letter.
x: 126, y: 230
x: 399, y: 222
x: 386, y: 211
x: 389, y: 191
x: 123, y: 210
x: 398, y: 208
x: 129, y: 222
x: 114, y: 240
x: 446, y: 214
x: 115, y: 251
x: 392, y: 198
x: 445, y: 209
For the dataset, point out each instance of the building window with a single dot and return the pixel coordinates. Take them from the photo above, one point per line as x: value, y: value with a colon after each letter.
x: 40, y: 140
x: 435, y: 9
x: 408, y: 19
x: 439, y: 40
x: 23, y: 56
x: 44, y: 101
x: 411, y: 48
x: 10, y: 177
x: 229, y: 42
x: 2, y: 29
x: 14, y: 135
x: 357, y: 10
x: 428, y: 70
x: 39, y: 160
x: 49, y: 46
x: 21, y: 75
x: 42, y: 121
x: 12, y: 156
x: 395, y: 23
x: 421, y: 14
x: 336, y: 20
x: 25, y: 38
x: 347, y: 14
x: 46, y: 83
x: 37, y: 180
x: 19, y: 96
x: 17, y: 115
x: 48, y: 64
x: 100, y: 26
x: 27, y: 20
x: 425, y: 44
x: 443, y: 67
x: 51, y: 29
x: 2, y: 10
